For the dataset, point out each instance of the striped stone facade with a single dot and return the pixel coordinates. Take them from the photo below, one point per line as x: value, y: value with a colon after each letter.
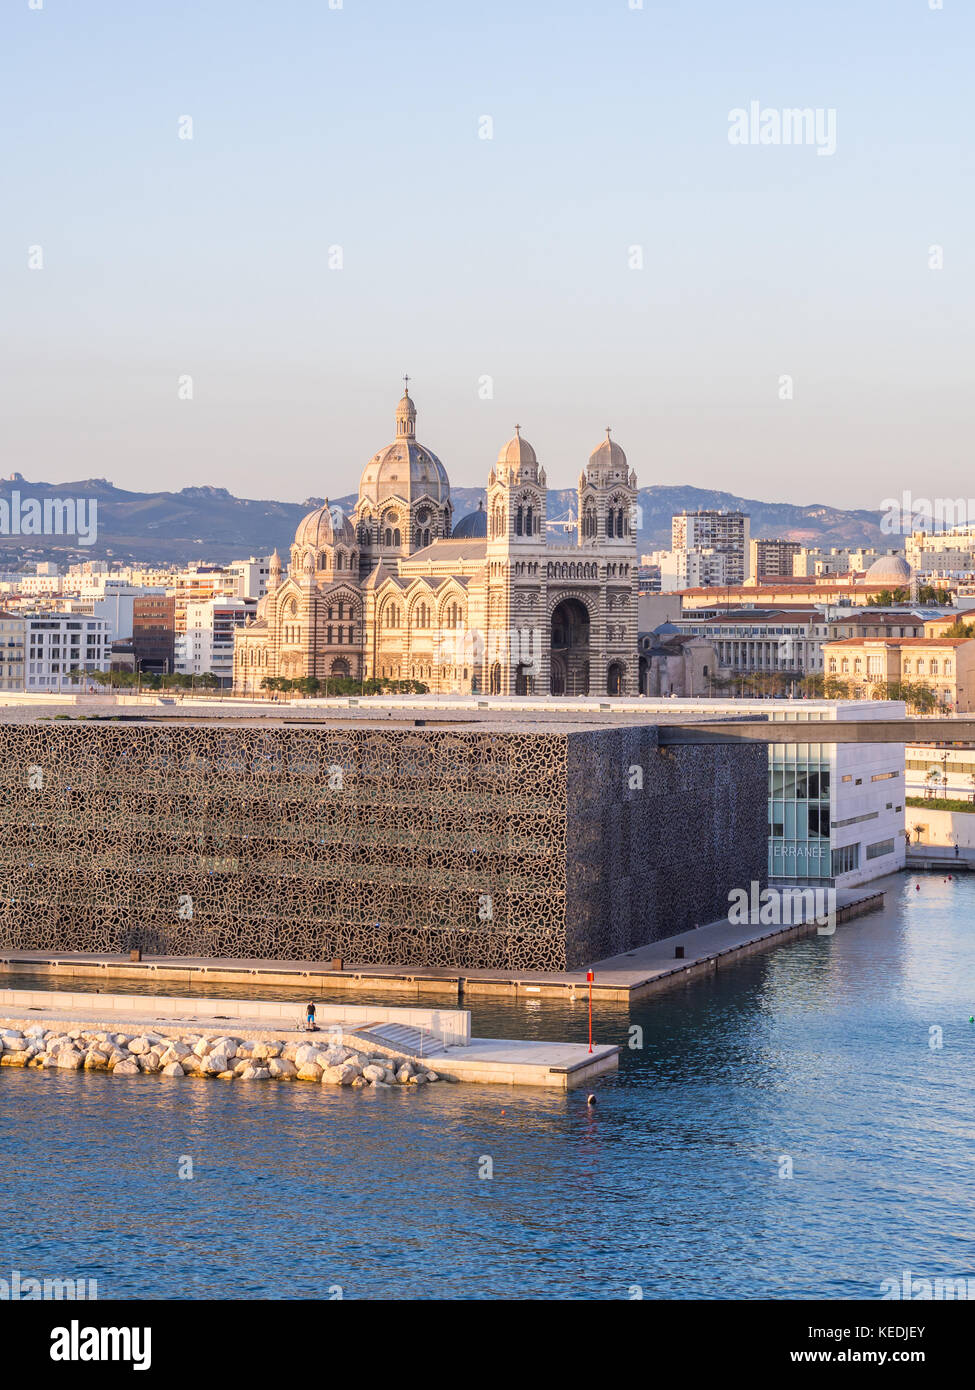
x: 397, y: 591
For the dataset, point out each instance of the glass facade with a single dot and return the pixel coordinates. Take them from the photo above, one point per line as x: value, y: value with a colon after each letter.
x: 799, y: 811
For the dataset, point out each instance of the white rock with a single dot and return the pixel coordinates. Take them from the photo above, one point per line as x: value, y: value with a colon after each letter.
x: 404, y: 1074
x: 173, y: 1069
x: 149, y: 1062
x: 215, y: 1063
x: 374, y: 1073
x: 432, y: 1076
x: 70, y: 1059
x: 309, y: 1071
x: 130, y: 1068
x: 332, y: 1076
x: 203, y: 1047
x: 307, y: 1052
x: 255, y: 1074
x: 279, y: 1068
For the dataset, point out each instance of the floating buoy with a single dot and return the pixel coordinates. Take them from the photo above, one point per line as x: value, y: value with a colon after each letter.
x: 590, y: 1100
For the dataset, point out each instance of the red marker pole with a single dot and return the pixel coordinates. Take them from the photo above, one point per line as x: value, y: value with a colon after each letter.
x: 589, y: 977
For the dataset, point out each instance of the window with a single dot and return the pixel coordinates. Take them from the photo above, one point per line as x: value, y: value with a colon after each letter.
x: 934, y: 666
x: 845, y: 859
x: 947, y: 668
x: 878, y: 850
x: 883, y: 776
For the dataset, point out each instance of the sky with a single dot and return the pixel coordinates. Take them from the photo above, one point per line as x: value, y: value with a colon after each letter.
x: 532, y: 208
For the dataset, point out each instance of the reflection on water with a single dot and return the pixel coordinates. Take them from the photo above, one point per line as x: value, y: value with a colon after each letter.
x: 817, y: 1052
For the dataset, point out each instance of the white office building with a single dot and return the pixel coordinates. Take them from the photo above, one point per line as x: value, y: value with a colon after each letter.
x: 58, y: 644
x: 207, y: 645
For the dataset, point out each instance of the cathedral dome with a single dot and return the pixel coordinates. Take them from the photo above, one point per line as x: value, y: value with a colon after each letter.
x: 608, y: 454
x: 405, y: 468
x: 473, y: 526
x: 889, y: 569
x: 316, y: 529
x: 517, y: 454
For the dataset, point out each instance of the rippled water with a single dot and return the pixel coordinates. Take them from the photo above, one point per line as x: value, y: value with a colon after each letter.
x: 817, y: 1051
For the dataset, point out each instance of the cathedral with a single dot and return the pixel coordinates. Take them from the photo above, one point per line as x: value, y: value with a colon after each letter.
x: 488, y: 605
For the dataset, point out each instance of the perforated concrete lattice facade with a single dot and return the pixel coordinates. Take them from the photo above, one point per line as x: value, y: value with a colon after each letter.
x: 492, y: 846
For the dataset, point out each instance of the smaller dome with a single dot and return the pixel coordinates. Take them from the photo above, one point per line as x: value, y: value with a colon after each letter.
x: 473, y: 526
x: 517, y: 453
x: 889, y: 569
x: 316, y: 529
x: 608, y: 454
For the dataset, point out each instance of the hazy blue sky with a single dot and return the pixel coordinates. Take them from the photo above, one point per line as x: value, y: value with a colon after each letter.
x: 466, y: 258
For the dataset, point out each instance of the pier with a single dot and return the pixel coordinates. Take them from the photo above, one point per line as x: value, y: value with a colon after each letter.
x: 438, y: 1038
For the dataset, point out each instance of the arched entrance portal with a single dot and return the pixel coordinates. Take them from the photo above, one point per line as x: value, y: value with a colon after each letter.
x: 570, y: 648
x: 614, y: 678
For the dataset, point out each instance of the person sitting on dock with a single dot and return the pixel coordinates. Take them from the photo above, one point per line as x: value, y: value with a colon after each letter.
x: 310, y: 1025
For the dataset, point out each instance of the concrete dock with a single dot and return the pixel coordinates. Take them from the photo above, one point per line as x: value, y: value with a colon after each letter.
x: 624, y: 978
x: 439, y: 1037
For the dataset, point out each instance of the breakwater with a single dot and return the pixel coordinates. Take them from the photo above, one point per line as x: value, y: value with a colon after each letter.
x: 328, y: 1061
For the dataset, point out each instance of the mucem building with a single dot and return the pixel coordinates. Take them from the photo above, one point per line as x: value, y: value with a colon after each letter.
x: 486, y: 841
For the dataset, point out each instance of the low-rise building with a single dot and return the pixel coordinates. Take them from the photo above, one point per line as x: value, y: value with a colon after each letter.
x: 60, y: 645
x: 872, y: 665
x: 11, y: 651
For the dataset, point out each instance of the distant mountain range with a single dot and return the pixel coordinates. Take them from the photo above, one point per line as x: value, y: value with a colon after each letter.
x: 210, y: 523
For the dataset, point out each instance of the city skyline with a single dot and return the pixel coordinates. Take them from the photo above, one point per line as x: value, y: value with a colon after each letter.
x: 281, y: 211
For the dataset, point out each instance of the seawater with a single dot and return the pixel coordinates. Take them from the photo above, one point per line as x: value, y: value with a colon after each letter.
x: 815, y: 1057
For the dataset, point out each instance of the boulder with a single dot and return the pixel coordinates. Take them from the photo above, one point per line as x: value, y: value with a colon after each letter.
x: 149, y: 1061
x: 309, y: 1071
x: 95, y: 1060
x: 259, y: 1051
x: 203, y: 1047
x: 288, y: 1051
x: 359, y: 1081
x: 280, y: 1068
x: 215, y: 1063
x: 332, y: 1076
x: 130, y: 1068
x: 226, y: 1076
x: 173, y: 1069
x: 432, y: 1076
x: 418, y: 1079
x: 274, y: 1049
x: 374, y: 1073
x: 255, y: 1074
x: 348, y: 1074
x: 15, y: 1059
x: 139, y: 1045
x: 179, y: 1049
x: 228, y: 1046
x: 404, y: 1074
x: 307, y: 1052
x: 70, y: 1059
